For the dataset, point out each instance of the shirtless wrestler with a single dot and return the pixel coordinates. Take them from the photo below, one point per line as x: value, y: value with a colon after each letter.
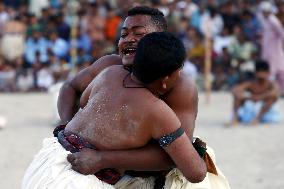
x: 182, y: 98
x: 121, y: 110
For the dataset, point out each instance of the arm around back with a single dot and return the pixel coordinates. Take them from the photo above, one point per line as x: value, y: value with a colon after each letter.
x: 72, y: 89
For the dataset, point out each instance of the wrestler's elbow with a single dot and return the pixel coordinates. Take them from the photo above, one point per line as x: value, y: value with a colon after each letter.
x: 198, y: 175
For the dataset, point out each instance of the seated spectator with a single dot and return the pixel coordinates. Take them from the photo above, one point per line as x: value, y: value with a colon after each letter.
x: 25, y: 80
x: 113, y: 21
x: 240, y: 47
x: 254, y: 101
x: 36, y: 43
x: 82, y: 41
x: 13, y: 39
x: 60, y: 68
x: 7, y: 77
x: 63, y: 28
x: 58, y: 45
x: 33, y: 25
x: 224, y: 40
x: 190, y: 70
x: 44, y: 78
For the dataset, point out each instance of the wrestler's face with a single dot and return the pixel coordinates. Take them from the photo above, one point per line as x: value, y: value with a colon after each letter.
x: 134, y: 28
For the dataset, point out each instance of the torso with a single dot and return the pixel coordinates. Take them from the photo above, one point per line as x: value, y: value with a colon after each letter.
x: 110, y: 119
x: 256, y: 88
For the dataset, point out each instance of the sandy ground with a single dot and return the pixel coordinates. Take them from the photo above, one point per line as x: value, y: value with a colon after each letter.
x: 250, y: 157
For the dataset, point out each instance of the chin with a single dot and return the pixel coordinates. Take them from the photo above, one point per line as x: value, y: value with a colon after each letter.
x: 127, y: 62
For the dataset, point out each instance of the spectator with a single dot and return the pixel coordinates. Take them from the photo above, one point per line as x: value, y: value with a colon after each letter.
x: 63, y: 28
x: 7, y: 77
x: 224, y: 40
x: 25, y: 80
x: 230, y: 16
x: 4, y: 17
x: 250, y: 25
x: 240, y: 47
x: 13, y: 39
x: 37, y: 5
x: 58, y: 45
x: 272, y: 42
x: 254, y: 101
x: 112, y: 23
x: 36, y: 43
x: 211, y: 22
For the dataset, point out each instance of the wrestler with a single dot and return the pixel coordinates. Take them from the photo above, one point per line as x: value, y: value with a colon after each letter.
x: 121, y: 110
x: 182, y: 99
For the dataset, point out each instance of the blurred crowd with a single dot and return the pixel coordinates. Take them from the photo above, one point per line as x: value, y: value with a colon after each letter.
x: 43, y: 42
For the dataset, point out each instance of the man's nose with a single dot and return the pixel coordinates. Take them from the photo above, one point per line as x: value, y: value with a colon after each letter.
x: 130, y: 38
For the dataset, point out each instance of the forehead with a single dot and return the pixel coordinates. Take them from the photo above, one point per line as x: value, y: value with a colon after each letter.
x: 138, y: 21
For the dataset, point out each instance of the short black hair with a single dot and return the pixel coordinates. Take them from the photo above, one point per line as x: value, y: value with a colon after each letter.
x: 157, y: 17
x: 261, y: 65
x: 158, y: 55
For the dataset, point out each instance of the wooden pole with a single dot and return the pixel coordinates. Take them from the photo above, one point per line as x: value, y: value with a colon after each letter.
x: 73, y: 6
x: 207, y: 66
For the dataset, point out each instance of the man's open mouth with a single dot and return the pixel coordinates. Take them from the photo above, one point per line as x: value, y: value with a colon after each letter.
x: 129, y: 51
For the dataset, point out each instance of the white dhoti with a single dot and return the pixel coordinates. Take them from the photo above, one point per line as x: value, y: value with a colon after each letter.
x: 175, y: 179
x: 51, y: 170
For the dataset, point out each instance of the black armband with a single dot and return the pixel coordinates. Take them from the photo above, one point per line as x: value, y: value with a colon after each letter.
x: 166, y: 140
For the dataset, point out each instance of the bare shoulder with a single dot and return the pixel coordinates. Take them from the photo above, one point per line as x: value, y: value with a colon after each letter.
x: 104, y: 62
x: 84, y: 77
x: 183, y: 100
x: 183, y: 94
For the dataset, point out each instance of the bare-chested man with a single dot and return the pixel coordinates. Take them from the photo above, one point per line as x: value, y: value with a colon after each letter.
x: 182, y: 99
x: 121, y: 110
x: 254, y: 100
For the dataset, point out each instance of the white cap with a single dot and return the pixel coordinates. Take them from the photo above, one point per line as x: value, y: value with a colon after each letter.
x: 181, y: 4
x: 266, y: 6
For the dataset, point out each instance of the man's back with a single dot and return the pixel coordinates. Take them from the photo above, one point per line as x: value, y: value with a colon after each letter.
x: 110, y: 120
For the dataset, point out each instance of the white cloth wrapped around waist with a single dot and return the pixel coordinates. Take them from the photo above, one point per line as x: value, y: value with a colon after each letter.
x: 51, y: 170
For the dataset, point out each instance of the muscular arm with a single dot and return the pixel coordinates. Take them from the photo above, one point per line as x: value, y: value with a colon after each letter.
x: 183, y: 100
x: 72, y: 89
x: 180, y: 150
x: 238, y: 91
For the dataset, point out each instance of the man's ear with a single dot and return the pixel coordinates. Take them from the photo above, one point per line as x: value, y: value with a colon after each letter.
x: 165, y: 81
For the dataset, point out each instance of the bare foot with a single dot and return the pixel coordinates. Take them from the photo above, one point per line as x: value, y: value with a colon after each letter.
x: 254, y: 122
x: 233, y: 123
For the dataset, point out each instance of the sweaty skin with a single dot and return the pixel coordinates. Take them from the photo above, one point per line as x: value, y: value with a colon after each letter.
x: 122, y: 120
x: 182, y: 99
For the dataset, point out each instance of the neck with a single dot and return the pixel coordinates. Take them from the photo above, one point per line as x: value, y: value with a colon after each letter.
x: 151, y: 87
x: 134, y: 79
x: 262, y: 81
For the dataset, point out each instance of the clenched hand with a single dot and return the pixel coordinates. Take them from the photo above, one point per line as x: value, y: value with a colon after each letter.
x: 86, y: 162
